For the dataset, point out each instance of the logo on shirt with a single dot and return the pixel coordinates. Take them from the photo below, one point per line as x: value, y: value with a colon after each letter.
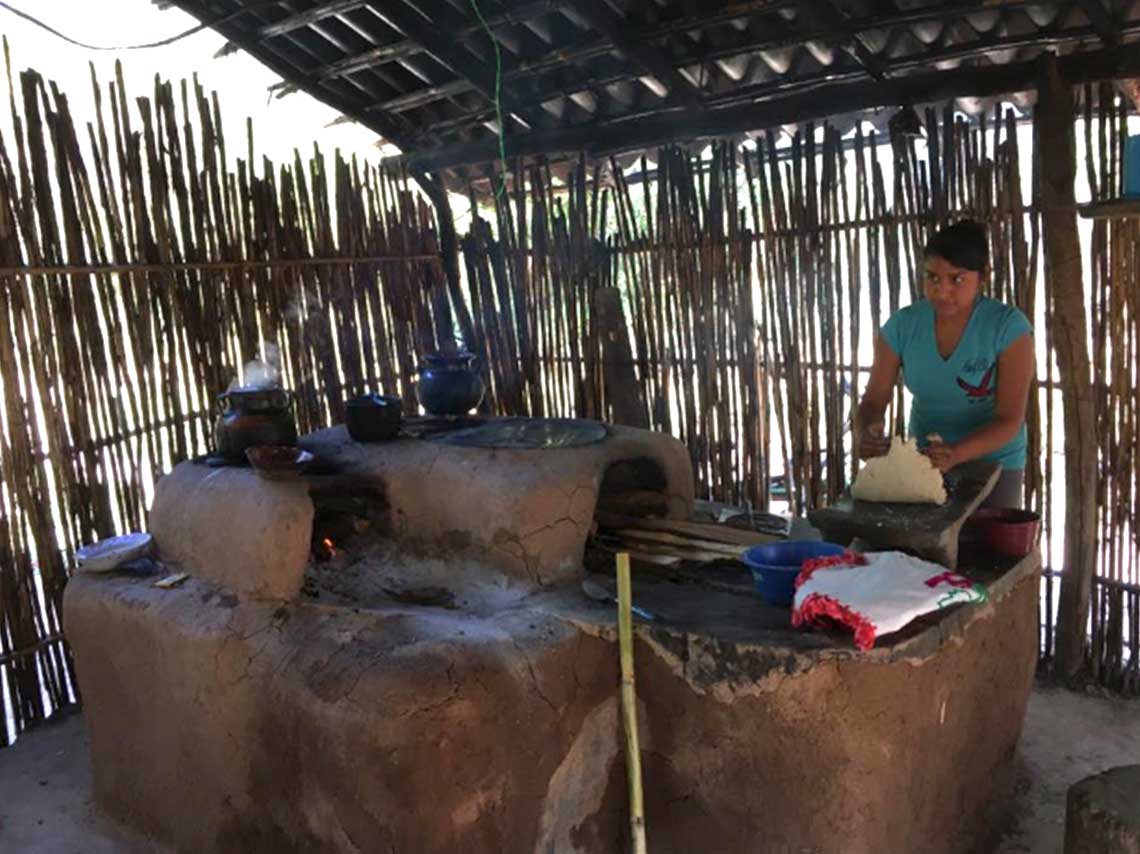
x: 981, y: 391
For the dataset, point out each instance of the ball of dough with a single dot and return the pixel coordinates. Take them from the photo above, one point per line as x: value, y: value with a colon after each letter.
x: 903, y: 476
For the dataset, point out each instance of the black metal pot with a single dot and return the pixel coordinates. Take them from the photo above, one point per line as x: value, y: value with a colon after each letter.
x: 449, y: 385
x: 373, y: 417
x: 254, y: 416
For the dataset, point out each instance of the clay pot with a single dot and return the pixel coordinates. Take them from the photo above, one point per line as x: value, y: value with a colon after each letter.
x: 373, y: 417
x: 449, y: 385
x: 252, y: 417
x: 1009, y: 532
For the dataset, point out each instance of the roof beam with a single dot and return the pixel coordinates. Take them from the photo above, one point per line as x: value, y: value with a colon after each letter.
x: 393, y: 130
x: 589, y: 48
x: 616, y: 30
x: 518, y: 14
x: 829, y: 32
x: 1102, y: 21
x: 850, y: 40
x: 657, y: 129
x: 586, y: 78
x: 309, y: 16
x: 450, y: 53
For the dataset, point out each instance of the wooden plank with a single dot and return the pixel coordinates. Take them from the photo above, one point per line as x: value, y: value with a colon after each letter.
x: 1110, y: 209
x: 698, y: 530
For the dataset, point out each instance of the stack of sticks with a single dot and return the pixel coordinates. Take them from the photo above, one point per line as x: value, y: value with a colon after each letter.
x: 668, y: 542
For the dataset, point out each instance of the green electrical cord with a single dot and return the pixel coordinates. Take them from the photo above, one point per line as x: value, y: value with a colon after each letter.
x: 498, y: 97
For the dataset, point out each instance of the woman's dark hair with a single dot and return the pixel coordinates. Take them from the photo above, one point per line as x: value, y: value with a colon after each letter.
x: 963, y: 244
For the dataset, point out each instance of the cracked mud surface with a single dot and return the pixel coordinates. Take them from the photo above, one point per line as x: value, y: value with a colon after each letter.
x: 375, y: 725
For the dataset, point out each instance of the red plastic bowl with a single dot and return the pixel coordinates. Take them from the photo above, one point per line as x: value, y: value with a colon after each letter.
x: 1008, y: 532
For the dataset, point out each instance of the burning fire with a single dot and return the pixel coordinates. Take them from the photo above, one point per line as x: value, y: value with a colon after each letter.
x: 325, y: 550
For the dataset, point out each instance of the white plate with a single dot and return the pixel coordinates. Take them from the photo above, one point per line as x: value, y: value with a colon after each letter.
x: 107, y: 555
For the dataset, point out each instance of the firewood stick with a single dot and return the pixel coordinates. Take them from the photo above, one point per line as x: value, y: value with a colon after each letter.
x: 629, y: 705
x: 683, y: 542
x: 657, y: 553
x: 712, y: 533
x: 637, y: 553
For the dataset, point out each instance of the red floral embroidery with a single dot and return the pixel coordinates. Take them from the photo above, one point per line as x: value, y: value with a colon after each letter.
x: 822, y: 610
x: 848, y: 558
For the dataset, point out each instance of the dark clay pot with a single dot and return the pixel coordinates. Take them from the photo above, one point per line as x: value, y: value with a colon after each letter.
x: 373, y: 417
x: 449, y: 385
x: 251, y: 417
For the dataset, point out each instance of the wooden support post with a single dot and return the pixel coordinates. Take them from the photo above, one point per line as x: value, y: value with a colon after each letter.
x: 435, y: 189
x: 623, y: 392
x: 1056, y: 147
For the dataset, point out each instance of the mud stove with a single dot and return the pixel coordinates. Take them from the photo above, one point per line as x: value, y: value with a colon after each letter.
x: 392, y: 654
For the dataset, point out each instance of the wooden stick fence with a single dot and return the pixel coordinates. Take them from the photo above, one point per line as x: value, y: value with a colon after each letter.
x: 143, y: 263
x: 139, y: 271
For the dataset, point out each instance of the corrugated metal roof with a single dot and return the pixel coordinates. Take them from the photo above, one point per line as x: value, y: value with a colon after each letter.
x: 598, y: 74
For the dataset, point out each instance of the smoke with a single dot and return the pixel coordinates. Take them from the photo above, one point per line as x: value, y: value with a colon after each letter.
x: 261, y: 373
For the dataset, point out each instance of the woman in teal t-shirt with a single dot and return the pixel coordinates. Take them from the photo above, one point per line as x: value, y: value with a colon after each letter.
x: 967, y: 361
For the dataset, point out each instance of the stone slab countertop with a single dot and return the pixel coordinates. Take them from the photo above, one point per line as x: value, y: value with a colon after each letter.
x: 730, y: 620
x: 719, y: 638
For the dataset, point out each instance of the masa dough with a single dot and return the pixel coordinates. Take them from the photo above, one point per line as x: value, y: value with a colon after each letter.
x: 903, y: 476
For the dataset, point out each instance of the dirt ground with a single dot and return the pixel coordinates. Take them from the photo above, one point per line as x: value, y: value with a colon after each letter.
x: 45, y: 779
x: 1067, y: 737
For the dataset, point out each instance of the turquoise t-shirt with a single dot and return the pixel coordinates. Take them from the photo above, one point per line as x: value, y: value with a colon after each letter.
x: 955, y: 397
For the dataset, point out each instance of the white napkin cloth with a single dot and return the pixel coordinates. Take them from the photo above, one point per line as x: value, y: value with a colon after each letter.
x: 876, y: 594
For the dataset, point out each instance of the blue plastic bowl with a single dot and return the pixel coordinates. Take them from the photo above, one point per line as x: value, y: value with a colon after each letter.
x: 775, y: 566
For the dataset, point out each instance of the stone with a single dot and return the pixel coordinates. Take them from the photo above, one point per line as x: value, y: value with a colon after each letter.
x: 1102, y: 813
x: 235, y: 528
x: 931, y: 532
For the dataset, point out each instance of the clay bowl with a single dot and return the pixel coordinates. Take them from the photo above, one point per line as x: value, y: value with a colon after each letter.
x: 1006, y: 531
x: 278, y: 462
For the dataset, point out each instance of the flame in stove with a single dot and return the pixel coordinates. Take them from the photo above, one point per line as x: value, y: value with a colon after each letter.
x: 330, y: 547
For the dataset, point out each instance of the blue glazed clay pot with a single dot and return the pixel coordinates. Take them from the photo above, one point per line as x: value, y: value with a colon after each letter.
x: 449, y: 385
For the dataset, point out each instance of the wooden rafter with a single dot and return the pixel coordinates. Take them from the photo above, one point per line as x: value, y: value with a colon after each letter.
x: 309, y: 16
x: 850, y: 40
x: 589, y: 47
x: 1102, y: 21
x: 774, y: 38
x: 660, y: 128
x: 616, y: 30
x: 390, y: 128
x: 404, y: 48
x: 751, y: 94
x: 446, y: 50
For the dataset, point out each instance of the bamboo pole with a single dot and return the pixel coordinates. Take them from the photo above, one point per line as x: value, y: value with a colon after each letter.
x: 629, y: 705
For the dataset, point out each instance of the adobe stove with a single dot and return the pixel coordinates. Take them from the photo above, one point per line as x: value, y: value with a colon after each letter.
x: 392, y: 653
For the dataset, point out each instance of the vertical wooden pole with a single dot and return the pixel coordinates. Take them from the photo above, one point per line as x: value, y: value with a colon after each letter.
x: 623, y: 391
x: 629, y: 705
x: 436, y: 191
x: 1056, y: 147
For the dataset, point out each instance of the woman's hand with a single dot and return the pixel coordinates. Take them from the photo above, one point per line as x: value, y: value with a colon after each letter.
x: 872, y: 442
x: 869, y: 439
x: 943, y: 456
